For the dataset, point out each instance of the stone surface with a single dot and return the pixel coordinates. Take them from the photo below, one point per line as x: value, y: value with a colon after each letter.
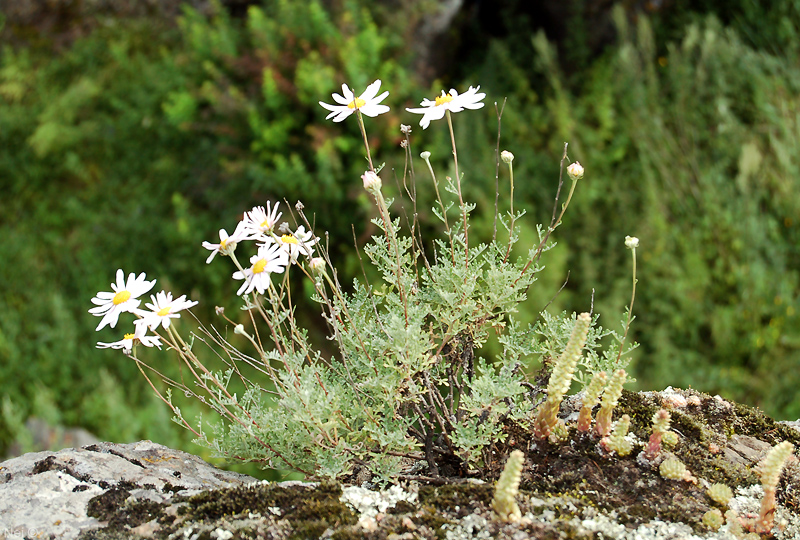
x: 46, y: 494
x: 144, y: 490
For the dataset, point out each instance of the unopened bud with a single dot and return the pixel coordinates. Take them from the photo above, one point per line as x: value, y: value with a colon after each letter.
x: 425, y: 155
x: 506, y: 156
x: 372, y: 182
x: 317, y: 264
x: 575, y: 171
x: 239, y: 329
x: 631, y: 242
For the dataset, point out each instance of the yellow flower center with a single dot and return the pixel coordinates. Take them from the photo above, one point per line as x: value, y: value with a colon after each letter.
x: 163, y: 312
x: 223, y: 243
x: 259, y: 266
x: 129, y: 336
x: 265, y: 224
x: 441, y: 100
x: 120, y: 297
x: 356, y: 103
x: 289, y: 239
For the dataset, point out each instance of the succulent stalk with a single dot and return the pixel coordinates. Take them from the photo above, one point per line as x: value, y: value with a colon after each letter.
x: 770, y: 471
x: 610, y: 399
x: 590, y: 399
x: 504, y: 502
x: 561, y: 378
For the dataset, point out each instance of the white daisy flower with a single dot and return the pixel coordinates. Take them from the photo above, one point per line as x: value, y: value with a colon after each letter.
x: 368, y: 102
x: 298, y: 243
x: 227, y: 244
x: 129, y: 340
x: 163, y: 309
x: 258, y: 223
x: 110, y: 304
x: 453, y: 102
x: 270, y: 259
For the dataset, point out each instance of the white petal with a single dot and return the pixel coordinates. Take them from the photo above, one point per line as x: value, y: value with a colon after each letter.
x: 374, y: 110
x: 340, y: 99
x: 372, y: 91
x: 330, y: 107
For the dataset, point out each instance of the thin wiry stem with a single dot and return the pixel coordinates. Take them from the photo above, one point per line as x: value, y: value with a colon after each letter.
x: 458, y: 189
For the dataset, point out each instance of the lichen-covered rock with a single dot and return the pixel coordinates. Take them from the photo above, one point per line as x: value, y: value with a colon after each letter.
x: 50, y: 494
x: 570, y: 488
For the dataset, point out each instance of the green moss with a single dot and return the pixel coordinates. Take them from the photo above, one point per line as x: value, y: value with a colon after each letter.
x: 461, y: 498
x: 310, y: 510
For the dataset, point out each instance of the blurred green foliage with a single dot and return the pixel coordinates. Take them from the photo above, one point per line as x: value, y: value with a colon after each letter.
x: 695, y: 152
x: 136, y: 143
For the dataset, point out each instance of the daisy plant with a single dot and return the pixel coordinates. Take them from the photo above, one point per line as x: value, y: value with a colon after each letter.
x: 441, y: 107
x: 403, y: 389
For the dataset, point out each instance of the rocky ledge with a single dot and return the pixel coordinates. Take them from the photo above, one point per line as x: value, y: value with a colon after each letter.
x: 570, y: 489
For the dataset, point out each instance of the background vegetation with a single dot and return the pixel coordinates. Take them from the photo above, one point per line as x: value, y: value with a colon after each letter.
x: 127, y: 144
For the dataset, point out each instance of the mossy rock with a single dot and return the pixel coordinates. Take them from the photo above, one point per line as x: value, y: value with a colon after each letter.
x: 571, y: 488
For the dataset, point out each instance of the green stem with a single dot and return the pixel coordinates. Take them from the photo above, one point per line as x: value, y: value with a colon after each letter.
x: 364, y: 136
x: 630, y: 308
x: 458, y: 188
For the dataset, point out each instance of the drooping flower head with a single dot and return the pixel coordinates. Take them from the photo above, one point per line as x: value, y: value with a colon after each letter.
x: 368, y: 102
x: 227, y: 244
x: 163, y: 309
x: 124, y: 298
x: 258, y: 223
x: 452, y: 101
x: 129, y: 340
x: 270, y: 259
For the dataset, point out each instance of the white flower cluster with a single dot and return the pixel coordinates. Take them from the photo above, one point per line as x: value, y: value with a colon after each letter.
x: 124, y: 299
x: 369, y: 103
x: 274, y: 253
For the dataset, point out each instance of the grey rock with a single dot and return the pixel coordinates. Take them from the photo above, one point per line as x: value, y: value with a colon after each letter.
x: 46, y: 494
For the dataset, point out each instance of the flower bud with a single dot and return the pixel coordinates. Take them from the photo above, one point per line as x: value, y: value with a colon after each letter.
x: 425, y: 155
x: 317, y: 264
x: 575, y: 171
x: 372, y: 182
x: 506, y: 156
x: 239, y: 329
x: 631, y: 242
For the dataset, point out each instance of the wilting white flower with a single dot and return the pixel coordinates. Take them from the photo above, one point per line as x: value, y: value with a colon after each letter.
x: 506, y: 156
x: 129, y: 340
x: 631, y: 242
x: 575, y: 171
x: 296, y: 243
x: 110, y: 304
x: 259, y: 222
x: 163, y: 309
x: 270, y: 259
x: 405, y: 129
x: 453, y: 102
x: 372, y: 182
x: 227, y: 244
x: 368, y: 102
